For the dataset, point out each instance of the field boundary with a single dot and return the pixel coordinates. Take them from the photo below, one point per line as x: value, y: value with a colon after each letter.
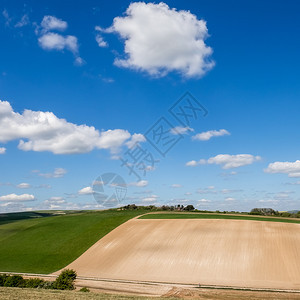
x: 213, y: 216
x: 157, y: 283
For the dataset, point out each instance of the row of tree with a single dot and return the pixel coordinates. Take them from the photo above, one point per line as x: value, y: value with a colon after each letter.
x: 180, y: 207
x: 157, y: 208
x: 272, y: 212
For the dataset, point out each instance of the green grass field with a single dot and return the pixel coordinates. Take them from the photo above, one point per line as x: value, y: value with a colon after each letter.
x: 43, y: 243
x: 215, y: 216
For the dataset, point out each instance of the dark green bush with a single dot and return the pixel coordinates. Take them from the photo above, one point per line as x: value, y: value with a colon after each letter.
x: 47, y: 285
x: 84, y: 289
x: 14, y: 281
x: 3, y: 278
x: 285, y: 214
x: 34, y: 283
x: 65, y: 281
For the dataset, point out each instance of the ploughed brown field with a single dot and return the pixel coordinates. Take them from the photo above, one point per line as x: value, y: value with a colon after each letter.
x: 238, y: 253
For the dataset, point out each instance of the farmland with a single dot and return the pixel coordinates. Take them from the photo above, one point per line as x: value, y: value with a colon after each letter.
x: 237, y: 253
x: 43, y: 242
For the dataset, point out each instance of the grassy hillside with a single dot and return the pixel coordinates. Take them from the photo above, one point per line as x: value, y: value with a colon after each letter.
x: 215, y: 216
x: 43, y: 243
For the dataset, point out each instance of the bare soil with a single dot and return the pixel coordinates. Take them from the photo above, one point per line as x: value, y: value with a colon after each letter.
x: 235, y: 253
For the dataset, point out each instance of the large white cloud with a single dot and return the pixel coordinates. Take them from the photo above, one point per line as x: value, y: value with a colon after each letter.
x: 286, y: 167
x: 43, y: 131
x: 159, y: 40
x: 227, y: 161
x: 207, y: 135
x: 17, y: 198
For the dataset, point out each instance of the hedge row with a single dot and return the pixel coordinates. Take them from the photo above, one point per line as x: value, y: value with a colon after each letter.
x: 65, y: 281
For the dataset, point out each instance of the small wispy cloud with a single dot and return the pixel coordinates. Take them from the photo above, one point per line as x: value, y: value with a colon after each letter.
x: 207, y: 135
x: 57, y: 173
x: 181, y: 130
x: 86, y: 191
x: 227, y: 161
x: 24, y: 185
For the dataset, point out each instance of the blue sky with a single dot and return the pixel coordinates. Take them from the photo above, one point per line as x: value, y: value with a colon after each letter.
x: 94, y: 76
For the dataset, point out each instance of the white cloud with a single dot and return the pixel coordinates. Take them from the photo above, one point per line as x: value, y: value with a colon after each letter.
x: 2, y: 150
x: 135, y: 140
x: 7, y: 18
x: 100, y: 41
x: 55, y: 41
x: 23, y: 22
x: 52, y: 23
x: 293, y: 183
x: 207, y: 190
x: 207, y: 135
x: 181, y: 130
x: 191, y: 163
x: 228, y: 161
x: 152, y: 198
x: 268, y: 201
x: 43, y: 131
x: 141, y: 183
x: 55, y: 200
x: 203, y: 201
x: 86, y: 191
x: 283, y: 195
x: 79, y: 61
x: 230, y: 199
x: 58, y: 173
x: 290, y: 168
x: 49, y: 40
x: 112, y: 139
x: 176, y: 186
x: 24, y: 185
x: 159, y: 40
x: 17, y: 198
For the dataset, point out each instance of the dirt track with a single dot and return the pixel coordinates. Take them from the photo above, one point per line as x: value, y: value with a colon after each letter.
x: 210, y: 252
